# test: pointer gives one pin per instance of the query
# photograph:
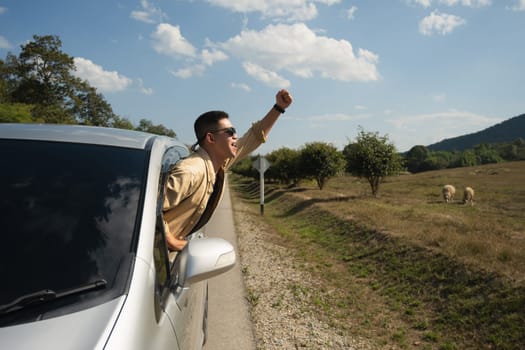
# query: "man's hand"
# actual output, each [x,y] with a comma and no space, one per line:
[283,99]
[175,244]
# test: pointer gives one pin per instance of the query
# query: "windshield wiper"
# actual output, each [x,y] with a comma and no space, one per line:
[46,295]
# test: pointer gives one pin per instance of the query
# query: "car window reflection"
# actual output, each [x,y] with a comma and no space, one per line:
[68,213]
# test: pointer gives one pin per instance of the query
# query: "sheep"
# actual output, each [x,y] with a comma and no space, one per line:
[448,193]
[468,196]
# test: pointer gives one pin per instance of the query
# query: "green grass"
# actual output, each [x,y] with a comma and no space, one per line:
[406,268]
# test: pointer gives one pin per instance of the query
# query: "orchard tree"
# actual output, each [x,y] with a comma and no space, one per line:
[320,161]
[245,168]
[372,157]
[284,166]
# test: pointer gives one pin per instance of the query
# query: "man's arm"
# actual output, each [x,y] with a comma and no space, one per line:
[283,100]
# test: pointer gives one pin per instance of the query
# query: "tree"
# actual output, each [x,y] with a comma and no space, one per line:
[15,113]
[465,158]
[41,79]
[415,158]
[122,123]
[147,126]
[372,157]
[284,166]
[245,168]
[320,161]
[486,154]
[41,75]
[4,90]
[90,107]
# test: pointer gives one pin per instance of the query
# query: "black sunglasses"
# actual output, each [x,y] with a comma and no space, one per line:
[230,131]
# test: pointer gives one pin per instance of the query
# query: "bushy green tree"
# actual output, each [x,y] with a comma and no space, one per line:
[372,157]
[15,113]
[90,107]
[122,123]
[245,168]
[4,90]
[41,74]
[148,126]
[466,158]
[416,157]
[320,161]
[485,154]
[437,160]
[514,150]
[284,166]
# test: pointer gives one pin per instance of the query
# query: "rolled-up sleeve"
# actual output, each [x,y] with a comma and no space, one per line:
[248,143]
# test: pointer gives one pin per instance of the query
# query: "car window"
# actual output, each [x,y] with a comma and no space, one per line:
[68,213]
[162,265]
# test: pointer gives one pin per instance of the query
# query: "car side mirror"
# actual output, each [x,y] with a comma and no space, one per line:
[203,258]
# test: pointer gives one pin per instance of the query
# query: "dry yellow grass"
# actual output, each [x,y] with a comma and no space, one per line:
[439,275]
[489,235]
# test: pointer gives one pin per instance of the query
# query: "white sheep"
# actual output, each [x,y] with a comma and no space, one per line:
[448,193]
[468,196]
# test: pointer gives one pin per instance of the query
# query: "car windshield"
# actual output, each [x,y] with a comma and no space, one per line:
[67,214]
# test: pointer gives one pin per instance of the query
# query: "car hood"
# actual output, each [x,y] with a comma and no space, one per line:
[86,329]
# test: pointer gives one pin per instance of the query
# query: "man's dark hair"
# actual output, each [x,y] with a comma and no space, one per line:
[207,122]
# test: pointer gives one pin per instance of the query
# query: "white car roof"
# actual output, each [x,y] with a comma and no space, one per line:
[77,133]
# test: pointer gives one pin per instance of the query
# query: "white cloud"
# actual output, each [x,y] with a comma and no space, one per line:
[241,86]
[440,23]
[266,76]
[439,97]
[104,81]
[424,3]
[287,10]
[350,13]
[328,2]
[3,10]
[210,57]
[168,40]
[4,43]
[467,3]
[300,51]
[519,6]
[336,117]
[148,13]
[190,71]
[144,90]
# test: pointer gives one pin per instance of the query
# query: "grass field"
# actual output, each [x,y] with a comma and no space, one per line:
[407,269]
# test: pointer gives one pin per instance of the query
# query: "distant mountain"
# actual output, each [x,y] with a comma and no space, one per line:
[506,131]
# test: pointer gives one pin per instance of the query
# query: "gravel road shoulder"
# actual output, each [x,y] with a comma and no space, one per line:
[277,291]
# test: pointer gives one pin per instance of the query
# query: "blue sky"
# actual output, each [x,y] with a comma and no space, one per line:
[418,71]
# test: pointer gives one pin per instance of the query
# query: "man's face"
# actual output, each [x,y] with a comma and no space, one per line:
[225,138]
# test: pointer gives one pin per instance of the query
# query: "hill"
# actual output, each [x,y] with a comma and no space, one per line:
[506,131]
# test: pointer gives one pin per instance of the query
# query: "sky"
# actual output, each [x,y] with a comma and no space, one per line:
[416,71]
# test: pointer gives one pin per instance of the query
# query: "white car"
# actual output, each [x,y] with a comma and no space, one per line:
[83,256]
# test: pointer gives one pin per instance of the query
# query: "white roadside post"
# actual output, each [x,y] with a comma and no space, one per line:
[261,164]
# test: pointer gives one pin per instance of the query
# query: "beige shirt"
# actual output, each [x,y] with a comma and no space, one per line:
[191,181]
